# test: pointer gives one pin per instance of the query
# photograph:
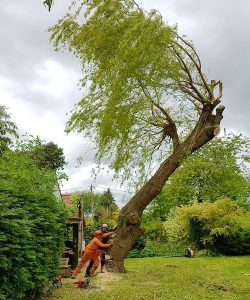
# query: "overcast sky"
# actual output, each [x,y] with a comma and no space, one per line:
[40,86]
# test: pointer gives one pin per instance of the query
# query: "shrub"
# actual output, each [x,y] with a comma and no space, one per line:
[153,241]
[239,243]
[210,226]
[150,248]
[32,226]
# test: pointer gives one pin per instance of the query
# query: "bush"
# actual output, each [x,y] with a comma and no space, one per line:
[150,249]
[153,241]
[214,226]
[239,243]
[32,225]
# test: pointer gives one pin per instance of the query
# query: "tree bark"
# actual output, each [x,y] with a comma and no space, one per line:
[128,229]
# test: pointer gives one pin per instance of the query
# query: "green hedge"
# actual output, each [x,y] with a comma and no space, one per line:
[32,226]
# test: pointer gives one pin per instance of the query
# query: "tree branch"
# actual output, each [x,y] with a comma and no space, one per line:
[199,97]
[169,128]
[136,4]
[197,65]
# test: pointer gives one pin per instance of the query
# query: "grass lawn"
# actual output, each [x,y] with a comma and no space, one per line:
[168,278]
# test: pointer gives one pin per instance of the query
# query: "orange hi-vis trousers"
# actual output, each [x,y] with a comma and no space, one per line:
[85,258]
[91,253]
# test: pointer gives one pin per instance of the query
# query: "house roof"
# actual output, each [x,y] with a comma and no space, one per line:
[67,199]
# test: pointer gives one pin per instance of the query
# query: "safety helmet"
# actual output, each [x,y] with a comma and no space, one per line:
[98,233]
[104,225]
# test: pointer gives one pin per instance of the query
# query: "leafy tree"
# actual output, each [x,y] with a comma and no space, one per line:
[219,169]
[45,155]
[98,206]
[146,100]
[8,129]
[107,201]
[32,224]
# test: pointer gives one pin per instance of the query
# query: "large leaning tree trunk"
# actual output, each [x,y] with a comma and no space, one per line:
[145,97]
[206,128]
[129,224]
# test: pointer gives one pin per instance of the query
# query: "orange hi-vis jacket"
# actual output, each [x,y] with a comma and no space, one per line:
[92,247]
[92,252]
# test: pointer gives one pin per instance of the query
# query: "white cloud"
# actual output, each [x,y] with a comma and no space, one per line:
[53,79]
[11,100]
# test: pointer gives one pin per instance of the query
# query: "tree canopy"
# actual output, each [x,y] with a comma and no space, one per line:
[46,155]
[143,86]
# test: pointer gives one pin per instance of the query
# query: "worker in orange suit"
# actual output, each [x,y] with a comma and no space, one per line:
[105,236]
[92,252]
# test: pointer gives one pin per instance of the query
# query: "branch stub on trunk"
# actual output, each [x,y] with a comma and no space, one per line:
[133,218]
[217,131]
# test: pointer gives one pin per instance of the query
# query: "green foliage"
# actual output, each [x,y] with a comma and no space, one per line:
[45,155]
[32,226]
[100,206]
[19,174]
[154,241]
[238,244]
[131,81]
[218,169]
[7,130]
[203,225]
[107,201]
[148,248]
[154,229]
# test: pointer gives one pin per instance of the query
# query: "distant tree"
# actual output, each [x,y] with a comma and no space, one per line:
[46,156]
[147,103]
[100,207]
[8,130]
[48,3]
[107,201]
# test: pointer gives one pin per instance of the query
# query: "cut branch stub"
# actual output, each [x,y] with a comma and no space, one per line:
[217,130]
[133,218]
[219,110]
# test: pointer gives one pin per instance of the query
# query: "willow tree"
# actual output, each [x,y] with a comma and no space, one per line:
[146,104]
